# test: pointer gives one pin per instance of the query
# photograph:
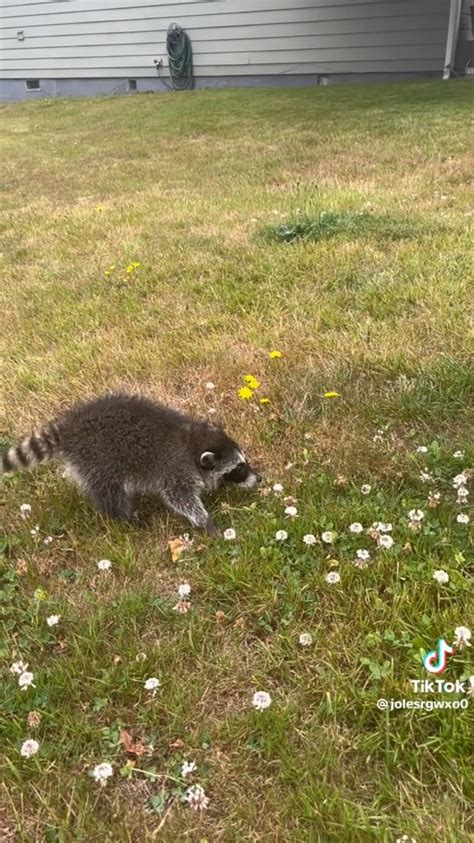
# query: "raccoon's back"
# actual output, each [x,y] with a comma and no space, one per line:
[127,432]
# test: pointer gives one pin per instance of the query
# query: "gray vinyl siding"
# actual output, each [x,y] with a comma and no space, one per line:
[118,38]
[465,48]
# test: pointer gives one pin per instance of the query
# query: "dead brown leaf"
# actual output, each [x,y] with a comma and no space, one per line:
[130,745]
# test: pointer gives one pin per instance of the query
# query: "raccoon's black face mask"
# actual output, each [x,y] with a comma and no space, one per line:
[229,471]
[243,475]
[238,474]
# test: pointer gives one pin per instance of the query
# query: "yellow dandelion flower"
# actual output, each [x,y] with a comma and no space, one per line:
[264,400]
[331,395]
[136,264]
[130,268]
[274,355]
[245,393]
[252,382]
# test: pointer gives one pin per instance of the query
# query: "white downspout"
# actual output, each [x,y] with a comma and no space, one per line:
[452,39]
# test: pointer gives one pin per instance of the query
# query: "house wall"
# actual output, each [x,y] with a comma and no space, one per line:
[465,48]
[96,45]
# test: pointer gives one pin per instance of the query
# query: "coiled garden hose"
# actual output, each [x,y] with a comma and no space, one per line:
[180,58]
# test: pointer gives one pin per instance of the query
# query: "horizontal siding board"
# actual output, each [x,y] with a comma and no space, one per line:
[355,54]
[333,43]
[73,34]
[175,7]
[394,66]
[226,14]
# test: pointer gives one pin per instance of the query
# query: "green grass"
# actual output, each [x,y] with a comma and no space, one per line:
[350,224]
[371,299]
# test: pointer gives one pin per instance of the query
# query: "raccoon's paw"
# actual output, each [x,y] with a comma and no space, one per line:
[212,530]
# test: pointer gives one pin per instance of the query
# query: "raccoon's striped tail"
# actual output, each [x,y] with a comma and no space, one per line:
[38,447]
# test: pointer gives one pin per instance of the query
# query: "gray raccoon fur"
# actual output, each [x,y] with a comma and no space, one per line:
[118,446]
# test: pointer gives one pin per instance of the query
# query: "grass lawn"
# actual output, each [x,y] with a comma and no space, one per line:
[335,226]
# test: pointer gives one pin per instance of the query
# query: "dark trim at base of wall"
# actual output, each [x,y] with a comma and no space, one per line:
[12,90]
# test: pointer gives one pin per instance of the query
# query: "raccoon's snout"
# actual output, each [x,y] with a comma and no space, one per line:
[252,480]
[243,476]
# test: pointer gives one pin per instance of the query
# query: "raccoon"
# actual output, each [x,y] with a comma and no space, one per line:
[118,446]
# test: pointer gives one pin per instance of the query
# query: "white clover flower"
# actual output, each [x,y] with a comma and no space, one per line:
[328,537]
[463,636]
[152,684]
[433,499]
[462,518]
[277,488]
[53,620]
[426,476]
[29,748]
[182,606]
[362,558]
[25,511]
[48,540]
[104,565]
[366,489]
[102,772]
[34,531]
[463,494]
[184,589]
[460,480]
[383,526]
[281,535]
[422,449]
[229,534]
[209,385]
[356,527]
[405,839]
[18,667]
[386,542]
[261,700]
[441,576]
[309,539]
[196,798]
[333,577]
[291,511]
[187,768]
[378,436]
[187,541]
[415,517]
[458,455]
[305,639]
[25,680]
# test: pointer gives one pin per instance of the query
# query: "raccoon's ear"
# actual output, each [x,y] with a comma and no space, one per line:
[207,460]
